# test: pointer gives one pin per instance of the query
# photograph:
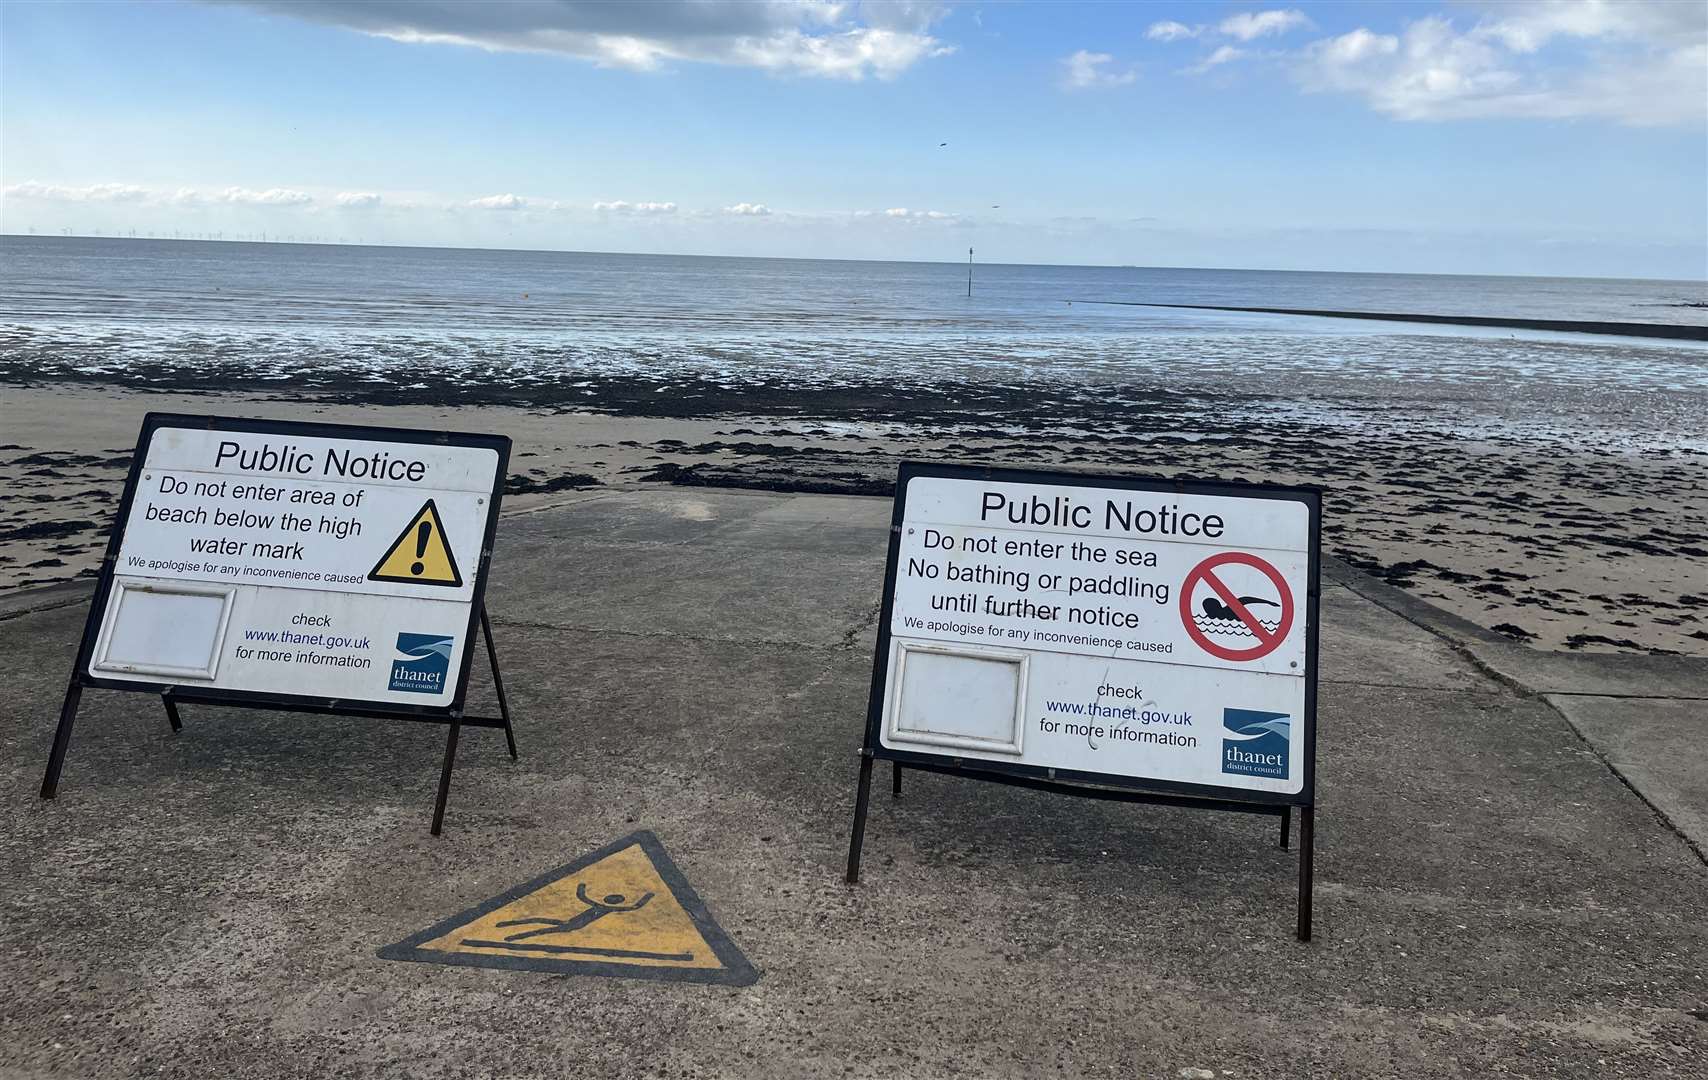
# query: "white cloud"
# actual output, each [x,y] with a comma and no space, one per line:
[1225,54]
[1251,25]
[902,213]
[115,193]
[623,206]
[1169,30]
[506,201]
[1246,26]
[1634,63]
[821,38]
[90,193]
[848,55]
[1353,48]
[303,203]
[1084,70]
[1525,27]
[133,193]
[184,196]
[270,197]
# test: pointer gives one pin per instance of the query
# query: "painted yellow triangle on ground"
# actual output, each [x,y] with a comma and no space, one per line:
[618,908]
[623,910]
[420,555]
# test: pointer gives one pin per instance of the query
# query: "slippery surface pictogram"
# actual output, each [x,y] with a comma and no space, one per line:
[624,910]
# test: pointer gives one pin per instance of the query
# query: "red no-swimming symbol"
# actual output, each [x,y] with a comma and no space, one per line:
[1268,639]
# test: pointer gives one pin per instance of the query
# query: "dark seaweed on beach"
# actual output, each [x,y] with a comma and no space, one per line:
[703,475]
[47,530]
[526,485]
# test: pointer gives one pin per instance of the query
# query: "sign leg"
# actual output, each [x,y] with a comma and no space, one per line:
[61,738]
[172,712]
[1306,846]
[497,681]
[862,797]
[1286,825]
[895,779]
[445,778]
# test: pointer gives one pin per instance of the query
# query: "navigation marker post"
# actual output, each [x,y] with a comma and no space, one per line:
[1109,638]
[253,564]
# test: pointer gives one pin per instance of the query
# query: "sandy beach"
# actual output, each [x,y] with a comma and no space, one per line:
[1560,547]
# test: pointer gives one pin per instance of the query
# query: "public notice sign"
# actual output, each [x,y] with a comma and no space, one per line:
[298,561]
[1142,633]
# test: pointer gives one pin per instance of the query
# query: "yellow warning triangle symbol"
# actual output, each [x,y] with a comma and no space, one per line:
[624,910]
[420,555]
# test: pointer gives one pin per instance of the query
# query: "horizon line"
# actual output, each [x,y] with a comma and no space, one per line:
[801,258]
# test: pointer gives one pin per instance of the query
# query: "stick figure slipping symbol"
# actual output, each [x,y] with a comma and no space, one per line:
[610,904]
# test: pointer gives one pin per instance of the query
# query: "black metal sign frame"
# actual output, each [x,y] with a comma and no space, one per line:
[1092,784]
[173,693]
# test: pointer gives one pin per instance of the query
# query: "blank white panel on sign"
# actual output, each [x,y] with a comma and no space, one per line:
[168,630]
[964,697]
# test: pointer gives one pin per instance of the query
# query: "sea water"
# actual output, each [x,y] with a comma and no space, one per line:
[550,328]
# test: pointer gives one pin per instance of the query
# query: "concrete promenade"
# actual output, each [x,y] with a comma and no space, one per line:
[1510,852]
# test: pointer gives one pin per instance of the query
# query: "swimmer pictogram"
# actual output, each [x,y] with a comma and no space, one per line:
[1234,625]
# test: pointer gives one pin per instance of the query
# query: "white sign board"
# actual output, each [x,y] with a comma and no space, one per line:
[1145,632]
[299,560]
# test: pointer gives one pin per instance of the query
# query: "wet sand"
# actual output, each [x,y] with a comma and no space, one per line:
[1555,545]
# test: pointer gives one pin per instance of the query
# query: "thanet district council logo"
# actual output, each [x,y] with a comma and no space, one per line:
[1255,743]
[422,663]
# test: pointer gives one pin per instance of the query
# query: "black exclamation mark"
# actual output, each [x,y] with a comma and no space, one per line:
[422,532]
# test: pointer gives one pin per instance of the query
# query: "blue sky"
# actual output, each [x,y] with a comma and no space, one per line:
[1531,137]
